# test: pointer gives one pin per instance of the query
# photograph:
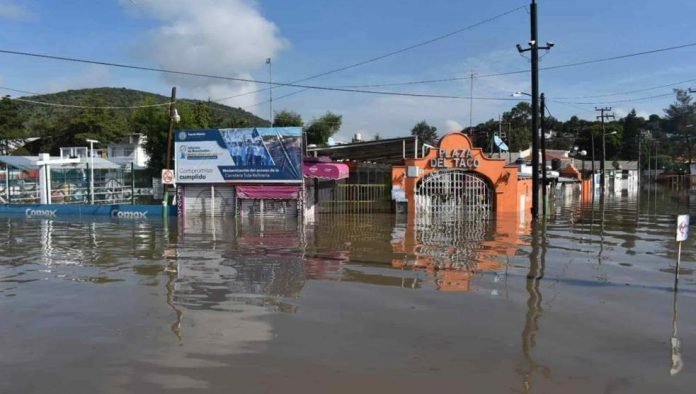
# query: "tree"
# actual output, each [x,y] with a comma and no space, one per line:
[518,121]
[377,137]
[426,133]
[680,119]
[153,122]
[287,119]
[632,125]
[319,131]
[11,130]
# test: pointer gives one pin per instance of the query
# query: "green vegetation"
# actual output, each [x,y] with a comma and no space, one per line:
[64,126]
[425,132]
[287,119]
[674,134]
[319,131]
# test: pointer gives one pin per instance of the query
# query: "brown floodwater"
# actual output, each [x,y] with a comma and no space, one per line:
[583,303]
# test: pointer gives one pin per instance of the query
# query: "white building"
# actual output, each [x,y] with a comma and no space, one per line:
[130,150]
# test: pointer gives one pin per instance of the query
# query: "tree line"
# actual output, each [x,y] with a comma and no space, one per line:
[673,133]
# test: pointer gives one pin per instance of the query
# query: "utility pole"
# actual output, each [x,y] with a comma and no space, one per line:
[471,100]
[603,115]
[168,163]
[270,90]
[534,49]
[543,155]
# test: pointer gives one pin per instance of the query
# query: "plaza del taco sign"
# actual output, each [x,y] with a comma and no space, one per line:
[461,158]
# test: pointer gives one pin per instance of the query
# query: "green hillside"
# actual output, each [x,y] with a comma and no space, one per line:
[57,126]
[35,115]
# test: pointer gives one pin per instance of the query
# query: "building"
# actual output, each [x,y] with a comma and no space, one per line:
[457,182]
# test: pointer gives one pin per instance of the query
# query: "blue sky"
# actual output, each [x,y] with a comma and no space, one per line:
[233,38]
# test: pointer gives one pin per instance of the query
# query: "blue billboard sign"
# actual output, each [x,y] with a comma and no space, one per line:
[249,155]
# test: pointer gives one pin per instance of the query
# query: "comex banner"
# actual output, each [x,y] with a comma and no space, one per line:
[252,155]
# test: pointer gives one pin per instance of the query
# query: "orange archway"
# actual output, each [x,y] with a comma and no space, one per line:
[455,154]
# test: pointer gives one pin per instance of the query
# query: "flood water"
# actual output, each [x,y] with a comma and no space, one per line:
[582,304]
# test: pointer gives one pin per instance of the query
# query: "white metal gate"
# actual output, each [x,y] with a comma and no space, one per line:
[454,195]
[209,200]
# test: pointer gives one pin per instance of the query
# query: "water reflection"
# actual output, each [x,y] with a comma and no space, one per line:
[453,253]
[202,293]
[535,310]
[677,362]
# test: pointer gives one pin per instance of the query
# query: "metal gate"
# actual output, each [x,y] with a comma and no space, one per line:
[454,195]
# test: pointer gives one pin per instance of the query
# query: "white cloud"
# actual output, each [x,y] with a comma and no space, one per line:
[453,125]
[14,12]
[216,37]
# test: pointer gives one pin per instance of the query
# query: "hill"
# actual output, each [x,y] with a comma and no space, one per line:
[33,115]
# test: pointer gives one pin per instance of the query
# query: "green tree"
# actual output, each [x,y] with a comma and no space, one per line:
[426,133]
[519,125]
[319,131]
[632,126]
[11,130]
[287,119]
[680,118]
[153,122]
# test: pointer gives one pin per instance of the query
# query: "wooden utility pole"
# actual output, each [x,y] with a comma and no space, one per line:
[604,114]
[534,49]
[168,162]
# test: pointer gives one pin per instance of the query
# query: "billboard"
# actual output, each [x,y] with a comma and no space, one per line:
[250,155]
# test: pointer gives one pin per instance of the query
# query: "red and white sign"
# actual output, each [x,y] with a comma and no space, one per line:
[167,177]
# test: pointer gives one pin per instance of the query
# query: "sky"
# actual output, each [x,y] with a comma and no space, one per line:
[233,38]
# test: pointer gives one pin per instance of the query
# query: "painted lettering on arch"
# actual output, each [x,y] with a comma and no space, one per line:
[461,158]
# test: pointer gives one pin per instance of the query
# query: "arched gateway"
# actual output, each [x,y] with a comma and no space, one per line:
[457,182]
[454,193]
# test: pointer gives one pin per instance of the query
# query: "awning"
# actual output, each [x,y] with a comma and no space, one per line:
[286,192]
[321,170]
[29,162]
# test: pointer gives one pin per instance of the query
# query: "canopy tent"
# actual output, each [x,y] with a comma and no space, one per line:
[334,171]
[29,163]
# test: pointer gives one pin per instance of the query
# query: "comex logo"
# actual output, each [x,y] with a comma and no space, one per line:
[128,214]
[40,212]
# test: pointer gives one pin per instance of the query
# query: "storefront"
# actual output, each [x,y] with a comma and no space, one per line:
[253,171]
[458,182]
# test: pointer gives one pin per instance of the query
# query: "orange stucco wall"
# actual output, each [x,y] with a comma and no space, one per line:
[506,187]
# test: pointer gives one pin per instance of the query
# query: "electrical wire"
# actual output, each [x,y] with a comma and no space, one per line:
[500,74]
[86,106]
[72,105]
[628,91]
[388,54]
[236,79]
[616,101]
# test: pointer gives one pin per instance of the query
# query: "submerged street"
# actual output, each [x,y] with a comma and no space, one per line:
[584,303]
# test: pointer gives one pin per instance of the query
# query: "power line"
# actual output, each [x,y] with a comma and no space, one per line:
[616,101]
[500,74]
[87,106]
[236,79]
[628,91]
[389,54]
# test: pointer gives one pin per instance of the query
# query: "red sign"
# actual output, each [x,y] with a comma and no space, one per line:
[167,177]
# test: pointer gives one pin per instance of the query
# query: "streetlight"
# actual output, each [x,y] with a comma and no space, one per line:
[91,169]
